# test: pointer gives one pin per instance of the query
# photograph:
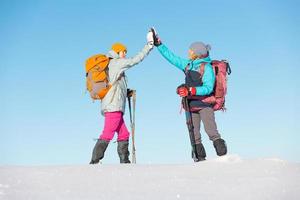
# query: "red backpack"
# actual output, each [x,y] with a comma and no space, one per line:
[221,70]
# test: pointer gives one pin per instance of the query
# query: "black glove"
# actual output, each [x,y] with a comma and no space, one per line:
[129,93]
[156,39]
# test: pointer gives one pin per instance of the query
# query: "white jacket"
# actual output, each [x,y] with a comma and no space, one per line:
[115,99]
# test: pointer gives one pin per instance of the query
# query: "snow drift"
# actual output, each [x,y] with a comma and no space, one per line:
[227,177]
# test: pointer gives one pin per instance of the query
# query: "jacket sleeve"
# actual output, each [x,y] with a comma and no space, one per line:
[208,80]
[178,62]
[127,63]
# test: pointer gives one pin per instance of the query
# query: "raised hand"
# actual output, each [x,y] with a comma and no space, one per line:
[156,38]
[150,39]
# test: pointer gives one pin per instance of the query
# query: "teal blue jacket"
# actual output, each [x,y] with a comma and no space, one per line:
[208,77]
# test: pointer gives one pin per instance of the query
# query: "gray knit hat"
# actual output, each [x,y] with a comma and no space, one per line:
[199,48]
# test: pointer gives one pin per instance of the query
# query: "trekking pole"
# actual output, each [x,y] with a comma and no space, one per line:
[133,128]
[190,128]
[132,122]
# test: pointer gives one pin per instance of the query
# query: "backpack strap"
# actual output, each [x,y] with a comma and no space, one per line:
[202,67]
[187,68]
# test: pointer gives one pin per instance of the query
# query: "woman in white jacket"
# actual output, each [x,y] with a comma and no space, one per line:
[113,104]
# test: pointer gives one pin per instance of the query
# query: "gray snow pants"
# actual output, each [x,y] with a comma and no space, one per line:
[207,116]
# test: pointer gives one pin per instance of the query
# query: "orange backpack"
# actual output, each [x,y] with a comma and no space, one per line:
[97,82]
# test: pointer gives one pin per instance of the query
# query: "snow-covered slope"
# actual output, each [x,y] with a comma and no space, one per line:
[227,177]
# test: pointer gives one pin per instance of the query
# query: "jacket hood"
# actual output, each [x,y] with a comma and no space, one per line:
[112,54]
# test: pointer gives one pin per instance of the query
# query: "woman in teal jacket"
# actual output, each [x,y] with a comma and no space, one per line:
[196,85]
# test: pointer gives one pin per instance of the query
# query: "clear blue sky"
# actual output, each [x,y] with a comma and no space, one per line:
[46,117]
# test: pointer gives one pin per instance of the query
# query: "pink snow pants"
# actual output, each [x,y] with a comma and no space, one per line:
[114,122]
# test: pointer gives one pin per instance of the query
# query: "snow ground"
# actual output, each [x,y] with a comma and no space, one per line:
[227,177]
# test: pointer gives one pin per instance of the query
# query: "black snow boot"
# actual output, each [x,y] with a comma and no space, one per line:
[123,151]
[201,154]
[98,152]
[220,147]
